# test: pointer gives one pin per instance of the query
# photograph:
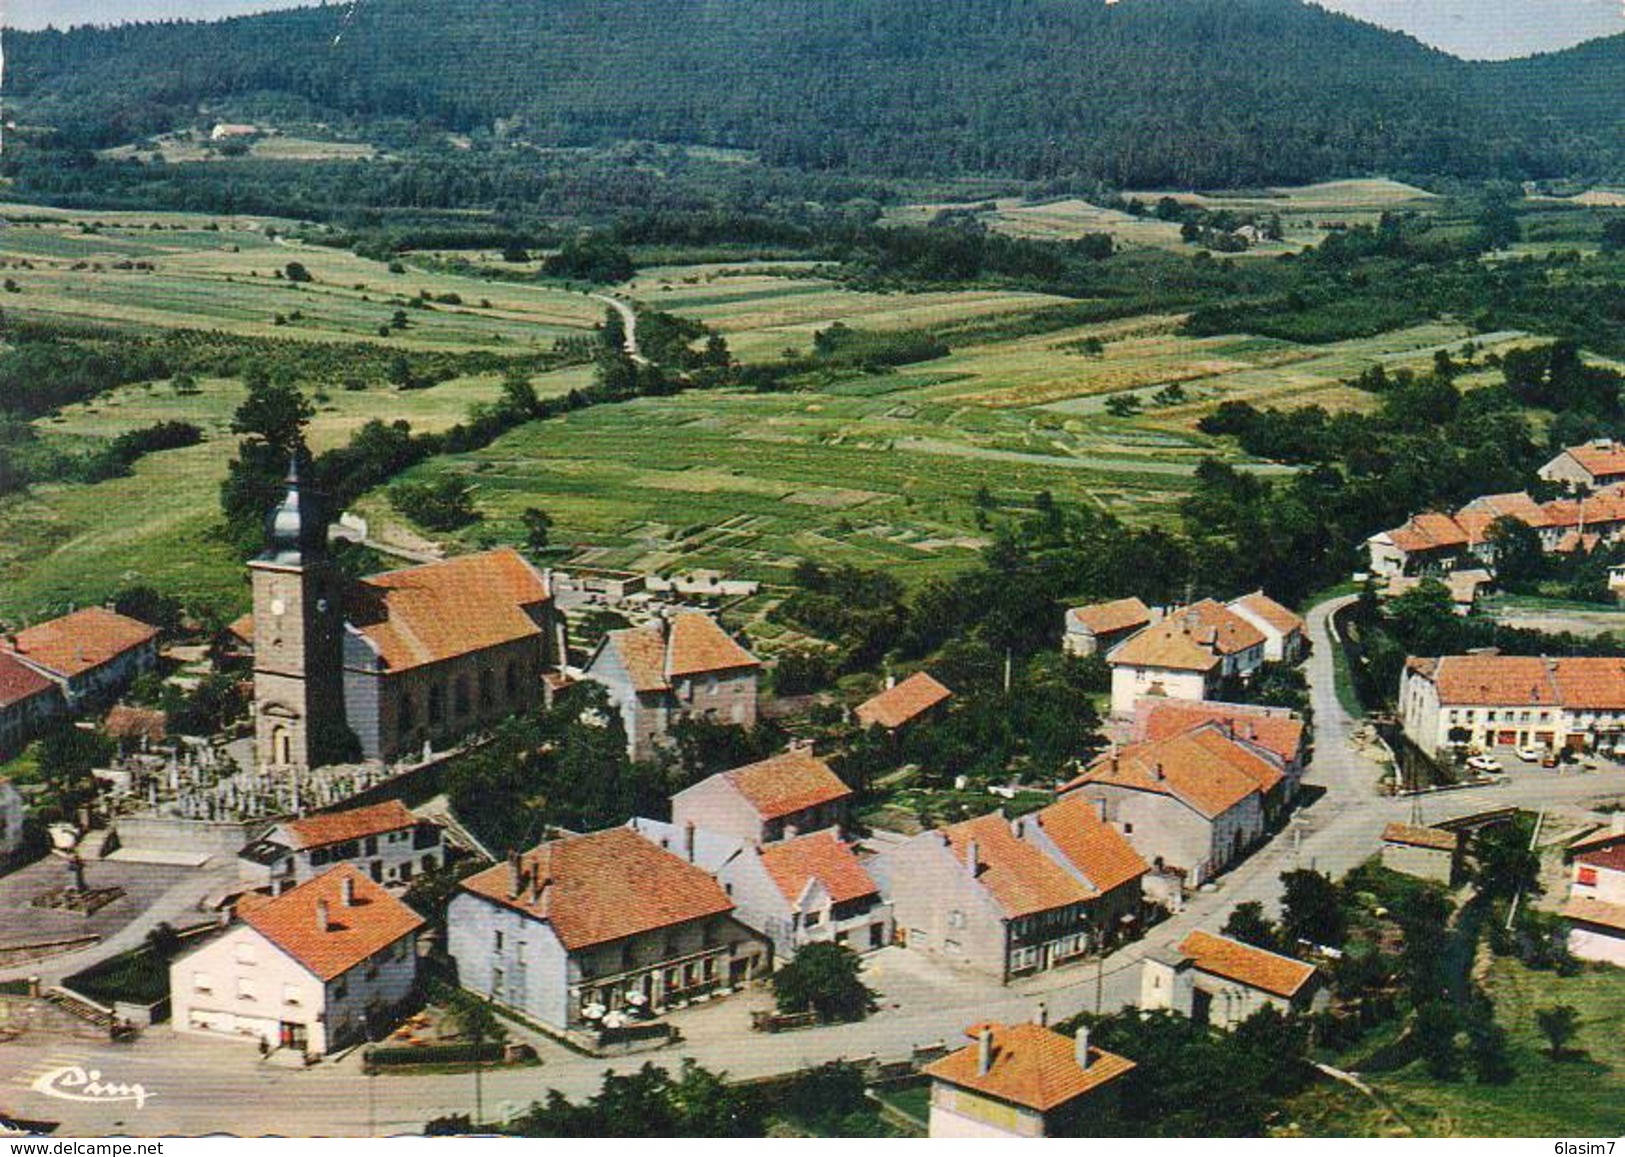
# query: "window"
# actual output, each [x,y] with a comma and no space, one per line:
[437,704]
[245,988]
[496,940]
[814,919]
[341,990]
[626,956]
[1587,876]
[460,695]
[510,680]
[202,982]
[408,712]
[488,690]
[290,994]
[245,952]
[877,935]
[372,845]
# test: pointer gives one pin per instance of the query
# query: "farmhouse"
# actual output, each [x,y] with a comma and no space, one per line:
[91,655]
[384,840]
[1595,908]
[799,891]
[1098,627]
[311,970]
[1021,1080]
[1190,804]
[778,798]
[400,660]
[1285,639]
[1591,465]
[603,921]
[1218,981]
[901,704]
[1513,700]
[1014,896]
[681,667]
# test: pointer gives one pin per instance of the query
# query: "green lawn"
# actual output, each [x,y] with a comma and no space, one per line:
[137,976]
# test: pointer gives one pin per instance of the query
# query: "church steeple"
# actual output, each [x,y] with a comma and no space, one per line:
[296,528]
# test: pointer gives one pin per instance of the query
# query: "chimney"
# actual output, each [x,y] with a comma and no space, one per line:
[688,841]
[324,922]
[516,876]
[1081,1049]
[984,1051]
[1100,807]
[1156,771]
[973,858]
[347,892]
[1042,1017]
[542,892]
[891,680]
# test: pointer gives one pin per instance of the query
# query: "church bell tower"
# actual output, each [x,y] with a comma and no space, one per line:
[298,636]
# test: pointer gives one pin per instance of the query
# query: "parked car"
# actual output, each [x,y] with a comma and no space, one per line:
[1484,763]
[1549,759]
[1531,754]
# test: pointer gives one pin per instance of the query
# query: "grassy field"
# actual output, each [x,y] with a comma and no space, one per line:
[1579,1096]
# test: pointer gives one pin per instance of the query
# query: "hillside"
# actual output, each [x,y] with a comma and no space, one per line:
[1154,92]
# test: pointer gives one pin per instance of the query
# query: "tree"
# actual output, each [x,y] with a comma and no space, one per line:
[538,525]
[824,978]
[1311,909]
[1434,1032]
[149,606]
[1506,863]
[444,504]
[1249,925]
[275,413]
[1558,1024]
[295,271]
[1519,559]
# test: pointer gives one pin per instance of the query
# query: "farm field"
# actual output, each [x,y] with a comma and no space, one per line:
[127,272]
[185,148]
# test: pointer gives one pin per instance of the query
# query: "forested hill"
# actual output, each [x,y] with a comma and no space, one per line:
[1142,92]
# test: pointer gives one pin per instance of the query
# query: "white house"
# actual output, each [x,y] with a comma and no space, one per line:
[1191,654]
[1595,908]
[384,839]
[1490,701]
[777,798]
[92,655]
[1594,464]
[1285,638]
[312,970]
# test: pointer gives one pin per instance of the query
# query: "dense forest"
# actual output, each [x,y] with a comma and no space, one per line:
[1159,92]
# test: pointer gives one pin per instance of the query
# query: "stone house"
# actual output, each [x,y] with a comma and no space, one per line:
[777,798]
[1218,981]
[1274,734]
[385,840]
[1191,804]
[607,920]
[1591,465]
[1021,1080]
[91,655]
[794,892]
[1426,853]
[312,970]
[1097,628]
[1010,897]
[1192,654]
[681,667]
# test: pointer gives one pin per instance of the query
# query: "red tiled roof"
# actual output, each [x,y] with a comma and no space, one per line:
[1476,518]
[1031,1066]
[1589,684]
[1209,777]
[787,783]
[1110,618]
[1254,967]
[1419,837]
[1611,857]
[1272,612]
[821,856]
[426,614]
[1276,731]
[19,681]
[1588,911]
[1093,846]
[355,932]
[689,643]
[331,827]
[1019,877]
[603,886]
[242,627]
[79,642]
[1493,680]
[1597,460]
[906,701]
[1167,644]
[1428,531]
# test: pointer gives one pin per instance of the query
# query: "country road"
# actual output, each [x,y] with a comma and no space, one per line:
[629,321]
[198,1085]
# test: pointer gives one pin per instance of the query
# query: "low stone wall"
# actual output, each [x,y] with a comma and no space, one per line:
[33,1014]
[146,831]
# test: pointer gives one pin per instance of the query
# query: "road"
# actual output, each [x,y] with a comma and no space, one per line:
[198,1085]
[629,322]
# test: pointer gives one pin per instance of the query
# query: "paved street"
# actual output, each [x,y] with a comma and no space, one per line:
[197,1085]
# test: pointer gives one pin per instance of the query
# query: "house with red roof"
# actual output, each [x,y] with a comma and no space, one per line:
[28,701]
[777,798]
[1189,654]
[312,970]
[586,925]
[385,840]
[91,655]
[684,666]
[1285,638]
[1011,897]
[1221,982]
[1486,701]
[1098,627]
[1191,804]
[902,704]
[797,891]
[1595,909]
[1591,465]
[1022,1080]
